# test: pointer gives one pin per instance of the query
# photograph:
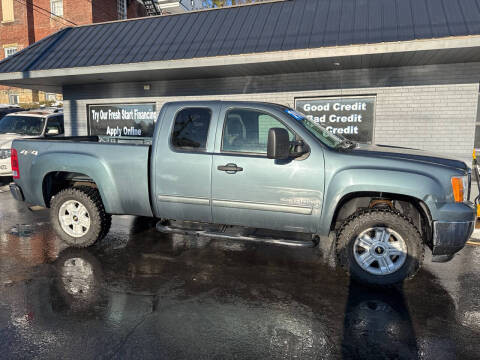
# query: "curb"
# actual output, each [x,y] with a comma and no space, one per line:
[476,235]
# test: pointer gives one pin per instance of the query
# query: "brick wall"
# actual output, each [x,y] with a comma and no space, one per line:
[135,9]
[76,11]
[16,32]
[427,107]
[105,10]
[32,23]
[81,12]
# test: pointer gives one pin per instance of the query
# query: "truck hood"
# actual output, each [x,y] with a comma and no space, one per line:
[400,153]
[7,139]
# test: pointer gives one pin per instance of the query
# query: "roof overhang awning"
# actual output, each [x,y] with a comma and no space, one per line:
[393,54]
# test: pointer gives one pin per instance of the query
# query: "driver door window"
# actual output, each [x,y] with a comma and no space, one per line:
[246,131]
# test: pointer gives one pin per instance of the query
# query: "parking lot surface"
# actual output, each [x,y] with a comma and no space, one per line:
[142,294]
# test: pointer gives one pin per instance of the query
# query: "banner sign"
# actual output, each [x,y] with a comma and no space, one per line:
[113,122]
[352,117]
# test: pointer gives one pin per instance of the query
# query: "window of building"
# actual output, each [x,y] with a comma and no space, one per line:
[190,130]
[9,51]
[50,97]
[122,9]
[7,11]
[14,99]
[247,131]
[56,7]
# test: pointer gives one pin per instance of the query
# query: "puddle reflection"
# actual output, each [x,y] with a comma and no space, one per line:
[188,297]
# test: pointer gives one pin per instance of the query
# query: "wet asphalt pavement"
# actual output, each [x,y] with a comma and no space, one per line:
[139,294]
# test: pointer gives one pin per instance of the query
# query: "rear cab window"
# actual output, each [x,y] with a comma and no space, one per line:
[191,128]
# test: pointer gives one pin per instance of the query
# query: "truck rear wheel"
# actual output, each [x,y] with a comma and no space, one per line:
[380,247]
[78,216]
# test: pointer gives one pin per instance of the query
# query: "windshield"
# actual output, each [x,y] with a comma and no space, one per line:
[22,125]
[322,134]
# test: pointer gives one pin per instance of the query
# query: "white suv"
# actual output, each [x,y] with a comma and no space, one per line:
[33,123]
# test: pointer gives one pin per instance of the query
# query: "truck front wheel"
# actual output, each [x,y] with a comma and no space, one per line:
[380,247]
[78,216]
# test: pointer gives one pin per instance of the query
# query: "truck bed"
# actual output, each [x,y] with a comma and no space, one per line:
[119,170]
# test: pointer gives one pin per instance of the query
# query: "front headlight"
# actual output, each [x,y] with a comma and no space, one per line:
[5,154]
[460,188]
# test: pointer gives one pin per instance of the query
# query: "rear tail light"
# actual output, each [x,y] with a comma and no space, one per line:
[15,167]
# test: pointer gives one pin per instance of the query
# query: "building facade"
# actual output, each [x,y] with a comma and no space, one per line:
[432,108]
[390,72]
[23,22]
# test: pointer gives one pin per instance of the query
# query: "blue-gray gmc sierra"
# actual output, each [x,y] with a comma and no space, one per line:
[257,165]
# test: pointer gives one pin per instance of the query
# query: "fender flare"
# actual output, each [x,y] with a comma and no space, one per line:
[85,164]
[403,183]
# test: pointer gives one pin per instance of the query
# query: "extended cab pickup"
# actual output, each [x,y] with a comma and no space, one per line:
[257,165]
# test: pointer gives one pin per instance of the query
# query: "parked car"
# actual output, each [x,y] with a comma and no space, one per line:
[24,124]
[8,109]
[258,165]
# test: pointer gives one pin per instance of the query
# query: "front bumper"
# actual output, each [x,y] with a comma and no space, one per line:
[450,237]
[16,192]
[5,167]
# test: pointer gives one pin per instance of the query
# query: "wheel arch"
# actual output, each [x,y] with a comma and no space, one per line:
[55,181]
[416,209]
[45,166]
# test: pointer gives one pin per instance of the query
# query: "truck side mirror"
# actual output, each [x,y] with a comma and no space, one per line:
[278,146]
[52,131]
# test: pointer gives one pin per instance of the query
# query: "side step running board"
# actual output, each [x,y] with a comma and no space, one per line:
[220,235]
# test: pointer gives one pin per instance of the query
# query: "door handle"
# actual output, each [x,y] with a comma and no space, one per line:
[230,168]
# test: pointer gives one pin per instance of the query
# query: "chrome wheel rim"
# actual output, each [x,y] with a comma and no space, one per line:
[380,251]
[74,218]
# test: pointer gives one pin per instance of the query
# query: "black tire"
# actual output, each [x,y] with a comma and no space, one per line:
[100,221]
[372,218]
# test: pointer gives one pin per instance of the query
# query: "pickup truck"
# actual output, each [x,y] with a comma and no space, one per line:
[257,165]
